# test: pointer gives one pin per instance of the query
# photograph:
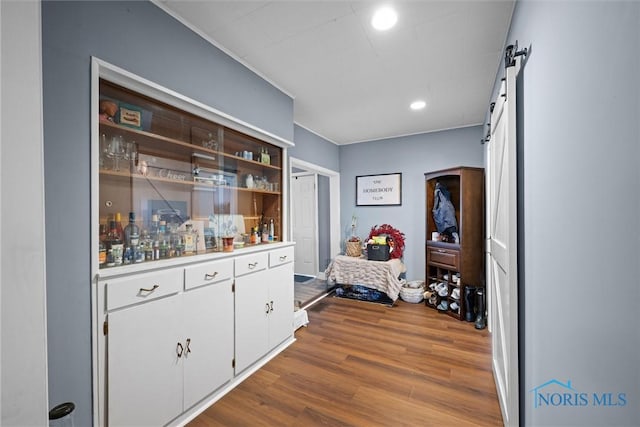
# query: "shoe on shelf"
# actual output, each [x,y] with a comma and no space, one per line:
[454,306]
[443,306]
[443,292]
[455,294]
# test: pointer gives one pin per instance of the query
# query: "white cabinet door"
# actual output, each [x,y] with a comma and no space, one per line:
[251,314]
[281,300]
[208,340]
[145,372]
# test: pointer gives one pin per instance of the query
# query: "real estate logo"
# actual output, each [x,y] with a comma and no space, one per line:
[554,393]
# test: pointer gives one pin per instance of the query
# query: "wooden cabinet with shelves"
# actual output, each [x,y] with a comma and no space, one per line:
[168,164]
[458,262]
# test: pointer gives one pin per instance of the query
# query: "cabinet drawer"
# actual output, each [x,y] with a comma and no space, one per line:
[209,272]
[281,256]
[251,263]
[447,258]
[142,287]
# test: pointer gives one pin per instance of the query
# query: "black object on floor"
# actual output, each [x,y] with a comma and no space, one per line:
[299,278]
[362,293]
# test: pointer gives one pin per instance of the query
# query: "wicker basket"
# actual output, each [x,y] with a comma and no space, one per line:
[354,249]
[413,291]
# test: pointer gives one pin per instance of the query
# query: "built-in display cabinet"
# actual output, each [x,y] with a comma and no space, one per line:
[192,273]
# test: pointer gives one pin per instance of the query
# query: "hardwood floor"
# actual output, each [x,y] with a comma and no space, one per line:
[363,364]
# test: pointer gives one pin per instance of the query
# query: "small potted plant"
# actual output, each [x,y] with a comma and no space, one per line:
[229,231]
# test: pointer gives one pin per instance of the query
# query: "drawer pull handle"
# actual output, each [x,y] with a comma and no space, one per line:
[149,290]
[208,276]
[283,257]
[179,350]
[187,349]
[442,251]
[253,265]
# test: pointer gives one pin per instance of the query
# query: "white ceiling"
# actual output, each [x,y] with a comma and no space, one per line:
[351,83]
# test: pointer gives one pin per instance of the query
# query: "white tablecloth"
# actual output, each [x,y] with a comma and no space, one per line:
[380,275]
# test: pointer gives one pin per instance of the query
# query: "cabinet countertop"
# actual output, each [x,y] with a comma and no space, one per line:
[186,260]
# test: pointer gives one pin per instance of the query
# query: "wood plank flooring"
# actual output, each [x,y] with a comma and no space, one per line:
[364,364]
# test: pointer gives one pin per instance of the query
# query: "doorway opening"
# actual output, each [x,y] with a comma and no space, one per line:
[315,227]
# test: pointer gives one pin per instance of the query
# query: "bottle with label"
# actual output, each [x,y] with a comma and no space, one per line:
[271,230]
[190,240]
[114,243]
[253,239]
[102,254]
[132,232]
[119,229]
[154,226]
[265,233]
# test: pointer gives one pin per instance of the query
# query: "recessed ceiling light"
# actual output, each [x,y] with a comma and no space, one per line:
[417,105]
[384,18]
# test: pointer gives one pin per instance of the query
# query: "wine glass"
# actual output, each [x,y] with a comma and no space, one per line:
[116,151]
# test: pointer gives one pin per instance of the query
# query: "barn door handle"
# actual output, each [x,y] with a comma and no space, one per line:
[271,306]
[187,349]
[266,307]
[179,350]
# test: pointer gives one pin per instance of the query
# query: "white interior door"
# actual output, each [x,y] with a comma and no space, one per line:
[304,217]
[502,246]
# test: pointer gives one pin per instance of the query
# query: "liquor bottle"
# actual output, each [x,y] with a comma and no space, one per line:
[132,232]
[118,220]
[155,224]
[271,230]
[252,238]
[114,243]
[102,254]
[190,240]
[265,233]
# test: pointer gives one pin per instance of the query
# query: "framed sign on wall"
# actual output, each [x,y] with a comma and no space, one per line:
[379,190]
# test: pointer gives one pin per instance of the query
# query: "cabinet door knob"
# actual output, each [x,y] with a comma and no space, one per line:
[149,290]
[266,308]
[187,348]
[208,276]
[179,350]
[271,306]
[253,265]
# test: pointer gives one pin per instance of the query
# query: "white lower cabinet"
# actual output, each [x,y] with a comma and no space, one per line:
[167,354]
[263,310]
[170,336]
[144,374]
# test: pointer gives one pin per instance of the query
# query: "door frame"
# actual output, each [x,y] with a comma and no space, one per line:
[334,201]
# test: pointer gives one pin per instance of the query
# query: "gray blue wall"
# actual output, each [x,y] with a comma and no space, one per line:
[315,149]
[140,38]
[580,141]
[413,156]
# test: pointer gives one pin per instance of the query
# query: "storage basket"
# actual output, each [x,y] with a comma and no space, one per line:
[412,291]
[354,249]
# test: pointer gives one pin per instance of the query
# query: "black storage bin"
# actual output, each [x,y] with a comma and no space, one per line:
[377,252]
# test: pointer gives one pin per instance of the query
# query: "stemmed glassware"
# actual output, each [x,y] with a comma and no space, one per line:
[116,150]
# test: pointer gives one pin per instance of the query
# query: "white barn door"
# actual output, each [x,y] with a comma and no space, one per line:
[502,269]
